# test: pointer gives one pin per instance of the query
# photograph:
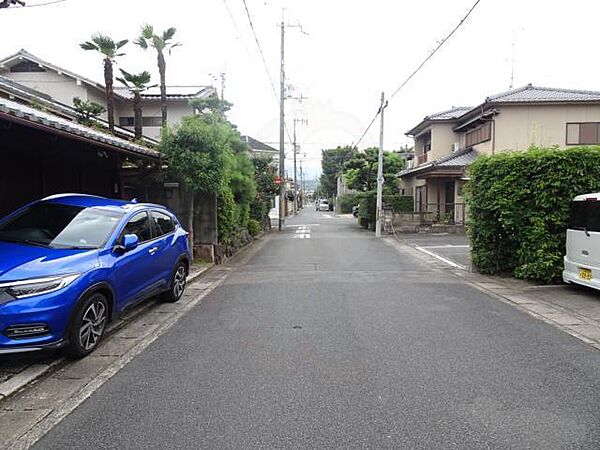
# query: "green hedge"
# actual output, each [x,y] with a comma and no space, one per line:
[347,201]
[399,203]
[519,207]
[366,210]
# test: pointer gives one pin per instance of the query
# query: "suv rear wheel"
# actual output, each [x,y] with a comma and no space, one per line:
[178,283]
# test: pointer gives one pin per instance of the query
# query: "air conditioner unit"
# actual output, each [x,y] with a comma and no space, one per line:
[455,147]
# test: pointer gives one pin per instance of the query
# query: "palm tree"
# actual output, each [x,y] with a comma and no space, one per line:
[109,50]
[136,83]
[160,43]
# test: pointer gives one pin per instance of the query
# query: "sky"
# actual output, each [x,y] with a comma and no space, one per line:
[347,53]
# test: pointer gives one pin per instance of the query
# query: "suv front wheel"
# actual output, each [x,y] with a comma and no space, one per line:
[88,326]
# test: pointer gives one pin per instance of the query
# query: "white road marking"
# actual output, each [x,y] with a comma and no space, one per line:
[441,258]
[302,232]
[327,216]
[445,246]
[304,225]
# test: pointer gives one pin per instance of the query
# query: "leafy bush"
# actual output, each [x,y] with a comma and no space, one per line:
[253,227]
[519,208]
[366,211]
[398,203]
[347,201]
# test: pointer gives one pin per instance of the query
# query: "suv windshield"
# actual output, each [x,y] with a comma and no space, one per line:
[60,226]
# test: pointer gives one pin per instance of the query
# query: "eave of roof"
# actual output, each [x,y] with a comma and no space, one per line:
[24,93]
[18,112]
[447,116]
[24,54]
[457,159]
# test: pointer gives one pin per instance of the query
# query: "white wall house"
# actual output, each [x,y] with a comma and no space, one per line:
[447,142]
[62,85]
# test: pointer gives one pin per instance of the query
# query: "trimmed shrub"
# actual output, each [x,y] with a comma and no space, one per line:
[254,227]
[347,201]
[366,211]
[399,203]
[519,208]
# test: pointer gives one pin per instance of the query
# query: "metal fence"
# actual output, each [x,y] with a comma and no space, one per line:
[447,213]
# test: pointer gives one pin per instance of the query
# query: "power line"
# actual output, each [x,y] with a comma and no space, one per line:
[264,61]
[419,67]
[44,4]
[442,42]
[237,28]
[262,55]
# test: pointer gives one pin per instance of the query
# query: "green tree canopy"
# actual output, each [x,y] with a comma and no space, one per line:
[361,171]
[332,165]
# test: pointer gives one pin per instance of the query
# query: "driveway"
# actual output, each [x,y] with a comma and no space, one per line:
[452,247]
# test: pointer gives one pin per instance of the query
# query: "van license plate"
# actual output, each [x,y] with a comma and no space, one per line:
[585,274]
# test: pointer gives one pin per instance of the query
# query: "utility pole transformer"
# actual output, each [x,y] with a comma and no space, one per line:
[379,208]
[282,199]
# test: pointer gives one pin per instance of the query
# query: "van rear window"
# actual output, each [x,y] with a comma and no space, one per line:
[585,216]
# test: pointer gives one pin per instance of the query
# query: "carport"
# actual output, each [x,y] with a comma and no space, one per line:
[43,154]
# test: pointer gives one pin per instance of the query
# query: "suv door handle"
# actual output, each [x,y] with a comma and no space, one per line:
[153,250]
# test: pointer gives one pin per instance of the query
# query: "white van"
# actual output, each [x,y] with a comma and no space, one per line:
[582,261]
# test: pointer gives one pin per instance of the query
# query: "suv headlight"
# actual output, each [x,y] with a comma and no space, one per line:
[37,286]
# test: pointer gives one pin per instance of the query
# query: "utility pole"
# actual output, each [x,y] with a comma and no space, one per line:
[295,145]
[379,210]
[282,200]
[282,98]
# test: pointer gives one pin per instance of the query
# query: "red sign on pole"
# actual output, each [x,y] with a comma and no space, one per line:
[277,180]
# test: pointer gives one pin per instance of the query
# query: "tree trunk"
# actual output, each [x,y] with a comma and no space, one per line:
[137,114]
[190,220]
[162,69]
[110,100]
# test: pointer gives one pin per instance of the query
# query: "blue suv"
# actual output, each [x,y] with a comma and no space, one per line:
[70,263]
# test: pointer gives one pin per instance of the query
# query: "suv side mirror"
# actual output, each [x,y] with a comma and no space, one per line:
[129,242]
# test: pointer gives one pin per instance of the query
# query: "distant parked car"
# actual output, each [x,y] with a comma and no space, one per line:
[70,263]
[323,205]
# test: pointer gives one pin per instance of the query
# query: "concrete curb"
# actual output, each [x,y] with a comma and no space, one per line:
[35,371]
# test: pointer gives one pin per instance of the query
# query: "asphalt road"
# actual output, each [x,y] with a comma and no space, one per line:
[338,340]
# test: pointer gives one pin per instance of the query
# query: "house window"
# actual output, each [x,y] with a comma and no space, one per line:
[479,135]
[126,121]
[587,133]
[151,121]
[27,66]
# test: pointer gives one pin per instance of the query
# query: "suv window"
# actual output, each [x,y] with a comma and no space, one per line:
[163,223]
[60,226]
[585,215]
[139,225]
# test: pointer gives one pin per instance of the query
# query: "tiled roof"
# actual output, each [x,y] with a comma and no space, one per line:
[536,94]
[256,145]
[49,120]
[30,96]
[173,92]
[453,113]
[458,159]
[450,114]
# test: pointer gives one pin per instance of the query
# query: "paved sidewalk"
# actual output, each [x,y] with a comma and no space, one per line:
[17,371]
